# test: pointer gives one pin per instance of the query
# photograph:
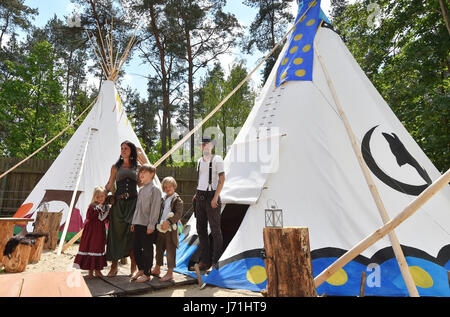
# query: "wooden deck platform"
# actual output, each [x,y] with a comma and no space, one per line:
[76,284]
[121,285]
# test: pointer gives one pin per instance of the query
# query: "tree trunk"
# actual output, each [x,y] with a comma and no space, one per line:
[191,91]
[165,92]
[48,222]
[169,135]
[445,15]
[288,262]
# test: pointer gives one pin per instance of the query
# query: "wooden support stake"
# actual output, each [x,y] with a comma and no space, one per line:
[288,262]
[199,276]
[403,265]
[385,229]
[72,241]
[448,275]
[363,284]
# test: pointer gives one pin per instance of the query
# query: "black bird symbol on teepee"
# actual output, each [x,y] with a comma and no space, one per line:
[403,157]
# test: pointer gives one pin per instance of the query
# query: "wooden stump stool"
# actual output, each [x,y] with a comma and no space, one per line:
[7,231]
[288,262]
[49,223]
[18,261]
[36,250]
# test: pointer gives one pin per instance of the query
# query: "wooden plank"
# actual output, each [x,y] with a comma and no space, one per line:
[11,285]
[17,221]
[127,286]
[55,284]
[98,287]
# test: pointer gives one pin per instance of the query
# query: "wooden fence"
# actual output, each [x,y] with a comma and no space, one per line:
[17,185]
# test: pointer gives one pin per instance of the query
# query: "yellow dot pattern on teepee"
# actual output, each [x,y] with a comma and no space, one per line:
[310,22]
[300,72]
[421,277]
[339,278]
[256,274]
[297,62]
[298,37]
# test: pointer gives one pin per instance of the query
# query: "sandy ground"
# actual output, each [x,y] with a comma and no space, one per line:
[50,262]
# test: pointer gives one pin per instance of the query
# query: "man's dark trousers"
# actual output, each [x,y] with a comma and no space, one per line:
[204,213]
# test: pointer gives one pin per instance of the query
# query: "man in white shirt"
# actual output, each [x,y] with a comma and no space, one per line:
[211,178]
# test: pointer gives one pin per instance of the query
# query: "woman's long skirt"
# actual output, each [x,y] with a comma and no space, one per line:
[120,237]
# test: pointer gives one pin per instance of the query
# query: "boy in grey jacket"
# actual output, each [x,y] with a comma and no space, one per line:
[144,223]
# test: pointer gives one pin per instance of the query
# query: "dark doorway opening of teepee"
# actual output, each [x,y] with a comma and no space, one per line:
[230,221]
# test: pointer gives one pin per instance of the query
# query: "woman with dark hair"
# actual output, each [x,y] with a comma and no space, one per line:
[124,176]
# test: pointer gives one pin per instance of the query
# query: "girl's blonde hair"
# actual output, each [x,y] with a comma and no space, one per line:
[169,181]
[97,191]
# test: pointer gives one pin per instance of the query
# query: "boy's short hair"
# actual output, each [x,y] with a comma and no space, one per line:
[147,167]
[169,181]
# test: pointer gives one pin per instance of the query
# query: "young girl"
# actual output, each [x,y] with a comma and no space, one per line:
[167,238]
[91,253]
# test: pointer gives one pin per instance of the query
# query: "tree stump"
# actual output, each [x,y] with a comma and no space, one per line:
[48,222]
[6,232]
[18,261]
[36,250]
[288,262]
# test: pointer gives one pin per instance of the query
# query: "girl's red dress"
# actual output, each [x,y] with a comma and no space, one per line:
[91,253]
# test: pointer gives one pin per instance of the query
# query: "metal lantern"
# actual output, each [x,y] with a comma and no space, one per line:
[273,216]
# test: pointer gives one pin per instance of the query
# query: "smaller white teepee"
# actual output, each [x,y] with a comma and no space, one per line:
[105,128]
[86,160]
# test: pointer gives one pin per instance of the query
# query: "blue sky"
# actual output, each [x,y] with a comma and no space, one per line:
[48,8]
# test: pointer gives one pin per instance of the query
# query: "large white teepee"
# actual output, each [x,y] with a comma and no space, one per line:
[105,128]
[314,177]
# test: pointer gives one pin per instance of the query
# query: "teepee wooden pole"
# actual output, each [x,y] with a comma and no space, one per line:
[72,202]
[100,59]
[111,43]
[410,284]
[46,144]
[103,47]
[407,212]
